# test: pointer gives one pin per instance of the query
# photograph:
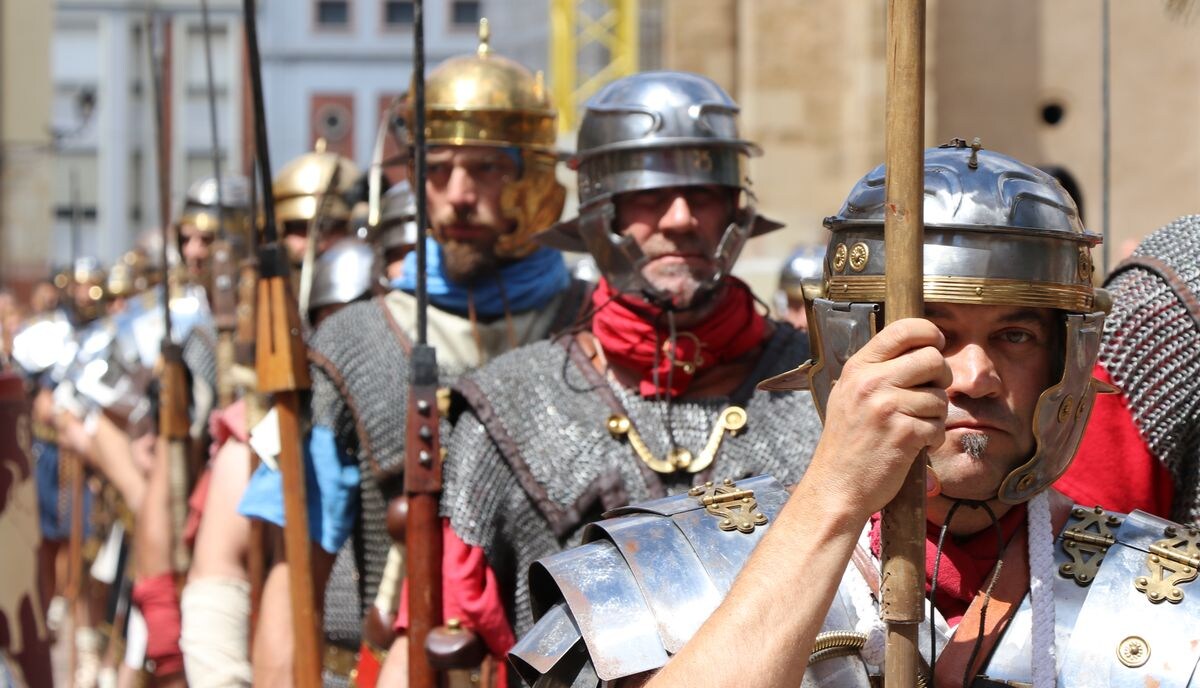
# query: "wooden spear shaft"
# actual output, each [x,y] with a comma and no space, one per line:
[422,460]
[282,367]
[903,584]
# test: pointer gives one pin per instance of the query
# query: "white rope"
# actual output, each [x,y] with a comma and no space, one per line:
[869,623]
[1041,591]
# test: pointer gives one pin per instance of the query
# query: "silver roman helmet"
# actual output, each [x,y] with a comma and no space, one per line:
[651,131]
[997,232]
[345,272]
[800,277]
[398,218]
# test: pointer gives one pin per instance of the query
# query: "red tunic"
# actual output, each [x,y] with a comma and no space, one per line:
[1114,467]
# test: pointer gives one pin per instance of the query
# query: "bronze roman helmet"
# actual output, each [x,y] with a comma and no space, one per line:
[486,99]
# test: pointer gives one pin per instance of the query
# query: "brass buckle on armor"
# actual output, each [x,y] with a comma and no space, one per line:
[736,509]
[1172,560]
[1087,541]
[340,661]
[732,420]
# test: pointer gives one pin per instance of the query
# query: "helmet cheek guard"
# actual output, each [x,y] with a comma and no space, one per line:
[1062,412]
[533,202]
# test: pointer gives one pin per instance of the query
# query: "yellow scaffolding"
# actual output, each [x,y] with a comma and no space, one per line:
[576,24]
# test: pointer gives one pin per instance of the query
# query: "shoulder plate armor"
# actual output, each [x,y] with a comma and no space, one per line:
[1127,612]
[1127,607]
[644,582]
[572,467]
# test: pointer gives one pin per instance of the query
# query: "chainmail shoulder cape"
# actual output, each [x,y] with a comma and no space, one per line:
[1151,349]
[360,373]
[200,359]
[531,461]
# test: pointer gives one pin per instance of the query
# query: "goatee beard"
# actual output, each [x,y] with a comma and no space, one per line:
[974,444]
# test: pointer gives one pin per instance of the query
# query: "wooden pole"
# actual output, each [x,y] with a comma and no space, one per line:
[282,367]
[903,583]
[173,420]
[74,588]
[422,460]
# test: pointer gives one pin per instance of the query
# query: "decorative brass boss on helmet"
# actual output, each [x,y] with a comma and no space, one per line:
[486,99]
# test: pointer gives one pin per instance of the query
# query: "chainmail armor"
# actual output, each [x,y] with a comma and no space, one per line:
[356,355]
[360,377]
[200,354]
[1151,349]
[531,461]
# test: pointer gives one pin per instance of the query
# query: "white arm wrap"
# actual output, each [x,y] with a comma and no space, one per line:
[214,640]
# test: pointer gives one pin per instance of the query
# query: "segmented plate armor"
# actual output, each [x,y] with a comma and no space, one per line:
[637,592]
[1151,349]
[360,377]
[532,461]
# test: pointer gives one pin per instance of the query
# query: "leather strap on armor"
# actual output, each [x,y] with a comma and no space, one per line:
[1011,588]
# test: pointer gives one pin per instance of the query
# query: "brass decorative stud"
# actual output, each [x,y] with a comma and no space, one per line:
[1065,409]
[1084,266]
[618,425]
[859,253]
[1133,652]
[840,254]
[679,457]
[485,37]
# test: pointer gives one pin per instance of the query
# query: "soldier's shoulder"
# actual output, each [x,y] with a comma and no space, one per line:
[355,325]
[1129,580]
[639,586]
[518,367]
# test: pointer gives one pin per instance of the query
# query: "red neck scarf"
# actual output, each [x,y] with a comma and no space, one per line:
[636,337]
[966,563]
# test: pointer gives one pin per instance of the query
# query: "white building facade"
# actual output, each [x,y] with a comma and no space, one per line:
[105,177]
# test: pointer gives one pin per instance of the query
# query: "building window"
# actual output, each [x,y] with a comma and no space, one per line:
[465,12]
[398,12]
[333,13]
[331,117]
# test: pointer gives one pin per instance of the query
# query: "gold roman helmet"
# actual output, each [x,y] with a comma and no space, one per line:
[485,99]
[302,183]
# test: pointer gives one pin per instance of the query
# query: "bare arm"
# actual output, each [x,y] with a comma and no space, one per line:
[889,404]
[273,638]
[114,457]
[224,534]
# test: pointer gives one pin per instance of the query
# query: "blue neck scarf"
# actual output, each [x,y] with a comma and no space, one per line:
[527,284]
